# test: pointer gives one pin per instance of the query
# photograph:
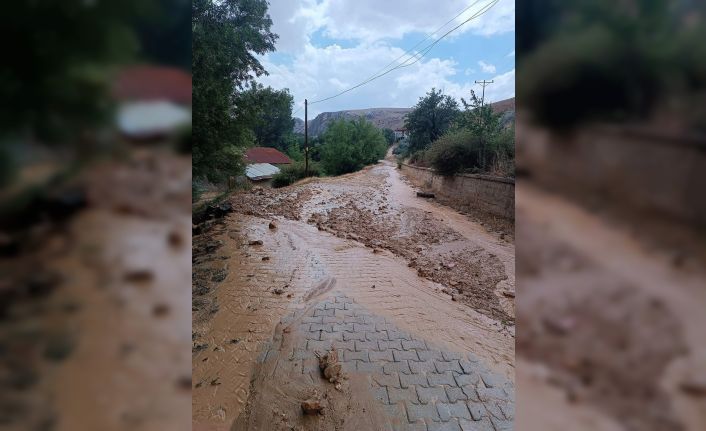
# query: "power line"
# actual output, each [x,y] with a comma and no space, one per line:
[414,56]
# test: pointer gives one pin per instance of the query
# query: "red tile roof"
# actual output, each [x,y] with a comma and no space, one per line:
[266,155]
[151,83]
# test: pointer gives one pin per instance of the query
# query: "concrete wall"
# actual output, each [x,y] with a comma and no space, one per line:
[465,192]
[643,168]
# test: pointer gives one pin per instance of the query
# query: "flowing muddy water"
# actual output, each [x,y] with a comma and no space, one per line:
[426,268]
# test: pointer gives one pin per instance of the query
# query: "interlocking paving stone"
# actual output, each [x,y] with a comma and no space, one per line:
[401,367]
[452,410]
[482,425]
[407,380]
[443,366]
[452,425]
[466,379]
[477,410]
[389,380]
[431,394]
[414,344]
[436,379]
[401,355]
[380,394]
[366,345]
[455,394]
[419,386]
[422,367]
[383,355]
[394,344]
[349,355]
[398,395]
[416,412]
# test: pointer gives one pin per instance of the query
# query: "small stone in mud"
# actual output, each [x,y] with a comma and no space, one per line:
[313,406]
[235,341]
[289,295]
[255,242]
[215,382]
[377,251]
[454,298]
[453,283]
[219,349]
[278,291]
[508,294]
[265,258]
[372,287]
[160,310]
[273,225]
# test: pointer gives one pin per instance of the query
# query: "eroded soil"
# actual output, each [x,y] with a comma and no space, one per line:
[428,269]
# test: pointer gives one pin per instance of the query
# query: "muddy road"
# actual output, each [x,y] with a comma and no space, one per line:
[418,284]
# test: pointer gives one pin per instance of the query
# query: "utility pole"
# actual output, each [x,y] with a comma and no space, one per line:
[484,83]
[306,138]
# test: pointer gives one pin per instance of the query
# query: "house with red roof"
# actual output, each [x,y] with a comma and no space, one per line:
[266,155]
[263,163]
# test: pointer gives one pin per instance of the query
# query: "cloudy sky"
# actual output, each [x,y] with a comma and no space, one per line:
[326,46]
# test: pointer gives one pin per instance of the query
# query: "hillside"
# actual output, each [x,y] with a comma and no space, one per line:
[390,118]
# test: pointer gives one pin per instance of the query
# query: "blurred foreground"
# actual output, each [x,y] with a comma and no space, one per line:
[95,213]
[611,247]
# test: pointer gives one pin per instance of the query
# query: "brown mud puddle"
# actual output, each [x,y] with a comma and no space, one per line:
[368,252]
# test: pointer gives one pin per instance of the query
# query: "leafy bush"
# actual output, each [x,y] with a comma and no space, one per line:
[351,145]
[293,173]
[455,152]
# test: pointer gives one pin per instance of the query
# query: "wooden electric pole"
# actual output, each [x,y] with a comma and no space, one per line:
[484,83]
[306,138]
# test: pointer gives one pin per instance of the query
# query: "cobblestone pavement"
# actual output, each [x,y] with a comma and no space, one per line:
[418,386]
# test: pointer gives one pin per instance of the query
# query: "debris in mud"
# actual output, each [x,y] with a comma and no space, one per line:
[215,382]
[331,368]
[265,258]
[508,294]
[235,341]
[425,195]
[255,242]
[314,405]
[199,347]
[372,287]
[272,225]
[278,291]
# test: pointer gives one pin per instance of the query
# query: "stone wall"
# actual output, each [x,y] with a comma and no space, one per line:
[640,167]
[466,192]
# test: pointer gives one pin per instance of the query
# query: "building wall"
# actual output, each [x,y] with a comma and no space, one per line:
[492,195]
[642,168]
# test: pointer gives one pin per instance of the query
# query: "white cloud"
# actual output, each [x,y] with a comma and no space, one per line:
[512,54]
[370,20]
[316,72]
[486,67]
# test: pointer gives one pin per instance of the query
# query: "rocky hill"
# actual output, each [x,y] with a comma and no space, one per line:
[390,118]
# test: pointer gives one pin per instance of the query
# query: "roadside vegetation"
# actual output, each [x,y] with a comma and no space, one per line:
[453,140]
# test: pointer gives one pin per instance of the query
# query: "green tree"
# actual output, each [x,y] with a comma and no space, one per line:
[389,135]
[430,118]
[350,145]
[268,112]
[226,36]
